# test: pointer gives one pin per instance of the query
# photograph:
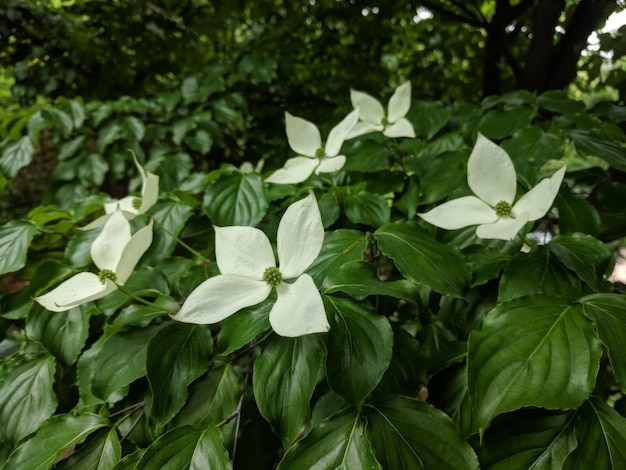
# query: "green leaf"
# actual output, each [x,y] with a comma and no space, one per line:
[52,439]
[185,447]
[500,124]
[367,208]
[559,102]
[210,453]
[93,169]
[359,346]
[601,435]
[62,333]
[236,199]
[485,263]
[59,118]
[406,372]
[367,155]
[576,214]
[68,149]
[16,155]
[529,439]
[121,360]
[177,355]
[102,452]
[15,238]
[411,434]
[170,218]
[241,328]
[78,249]
[443,176]
[531,351]
[607,312]
[588,257]
[358,279]
[200,141]
[134,127]
[429,117]
[285,375]
[36,123]
[448,391]
[340,247]
[595,144]
[212,398]
[422,259]
[78,113]
[26,395]
[337,443]
[537,272]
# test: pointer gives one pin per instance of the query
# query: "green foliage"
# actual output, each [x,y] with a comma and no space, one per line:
[445,350]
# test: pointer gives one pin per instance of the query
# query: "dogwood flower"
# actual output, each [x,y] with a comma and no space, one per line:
[372,116]
[131,206]
[492,178]
[115,252]
[304,139]
[249,273]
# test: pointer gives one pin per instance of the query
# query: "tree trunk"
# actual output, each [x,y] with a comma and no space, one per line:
[541,50]
[564,65]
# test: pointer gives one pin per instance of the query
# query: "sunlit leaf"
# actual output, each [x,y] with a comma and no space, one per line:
[15,238]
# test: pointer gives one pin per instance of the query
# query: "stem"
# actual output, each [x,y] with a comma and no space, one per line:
[142,300]
[182,243]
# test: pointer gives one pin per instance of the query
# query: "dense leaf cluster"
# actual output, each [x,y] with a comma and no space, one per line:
[444,350]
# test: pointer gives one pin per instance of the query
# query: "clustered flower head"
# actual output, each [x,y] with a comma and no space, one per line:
[115,252]
[492,178]
[249,272]
[132,206]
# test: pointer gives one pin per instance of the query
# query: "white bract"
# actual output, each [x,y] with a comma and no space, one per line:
[131,206]
[249,272]
[115,252]
[372,116]
[492,178]
[304,139]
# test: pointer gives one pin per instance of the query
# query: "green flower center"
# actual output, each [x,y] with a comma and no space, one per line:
[319,153]
[273,276]
[503,208]
[385,122]
[105,274]
[137,202]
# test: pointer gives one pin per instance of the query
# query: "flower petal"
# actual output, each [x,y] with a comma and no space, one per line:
[490,172]
[331,164]
[459,213]
[107,248]
[243,251]
[219,297]
[339,133]
[303,136]
[77,290]
[370,109]
[300,236]
[504,229]
[299,309]
[399,103]
[124,205]
[400,128]
[149,192]
[538,200]
[133,251]
[296,170]
[361,128]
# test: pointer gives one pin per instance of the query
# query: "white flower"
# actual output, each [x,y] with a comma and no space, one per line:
[249,273]
[304,139]
[492,178]
[115,252]
[372,114]
[131,206]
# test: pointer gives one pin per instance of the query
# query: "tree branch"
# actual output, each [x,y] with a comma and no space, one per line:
[588,16]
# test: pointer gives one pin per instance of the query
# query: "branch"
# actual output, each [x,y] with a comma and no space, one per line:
[589,14]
